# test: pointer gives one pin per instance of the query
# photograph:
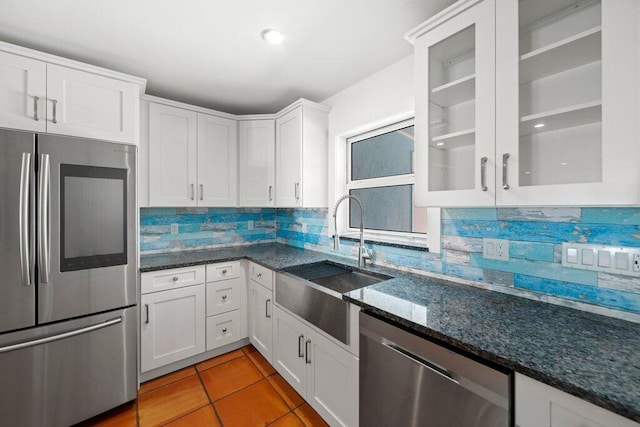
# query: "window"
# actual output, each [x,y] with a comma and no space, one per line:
[380,172]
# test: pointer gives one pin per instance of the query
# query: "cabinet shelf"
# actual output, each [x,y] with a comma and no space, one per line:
[463,138]
[455,92]
[575,115]
[579,49]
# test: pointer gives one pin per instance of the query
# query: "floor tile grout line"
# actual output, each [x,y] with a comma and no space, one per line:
[183,415]
[215,411]
[169,383]
[215,366]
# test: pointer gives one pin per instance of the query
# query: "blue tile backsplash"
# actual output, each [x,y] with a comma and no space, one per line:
[535,236]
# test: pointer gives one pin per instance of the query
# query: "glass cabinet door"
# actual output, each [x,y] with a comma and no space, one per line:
[559,97]
[455,110]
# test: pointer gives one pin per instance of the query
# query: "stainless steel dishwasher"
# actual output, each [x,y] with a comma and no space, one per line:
[406,380]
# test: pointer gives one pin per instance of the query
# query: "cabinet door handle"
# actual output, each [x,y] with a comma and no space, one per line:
[146,315]
[300,341]
[505,179]
[270,192]
[55,109]
[201,191]
[266,308]
[35,108]
[307,352]
[483,173]
[192,191]
[297,190]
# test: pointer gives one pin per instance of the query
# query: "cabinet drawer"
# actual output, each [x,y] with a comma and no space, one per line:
[223,271]
[223,329]
[224,296]
[261,274]
[171,279]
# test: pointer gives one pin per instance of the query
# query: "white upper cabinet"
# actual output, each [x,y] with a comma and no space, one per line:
[191,157]
[45,93]
[172,156]
[257,163]
[301,156]
[567,102]
[217,161]
[92,106]
[23,93]
[455,121]
[528,102]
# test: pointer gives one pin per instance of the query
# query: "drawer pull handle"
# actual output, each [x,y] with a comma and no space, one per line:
[224,297]
[259,275]
[224,330]
[300,340]
[224,271]
[174,278]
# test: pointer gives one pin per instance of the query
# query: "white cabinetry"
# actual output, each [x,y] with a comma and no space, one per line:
[455,121]
[192,157]
[261,309]
[538,404]
[257,163]
[301,153]
[173,320]
[565,126]
[324,373]
[226,304]
[44,93]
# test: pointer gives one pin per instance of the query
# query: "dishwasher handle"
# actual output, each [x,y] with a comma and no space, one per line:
[451,376]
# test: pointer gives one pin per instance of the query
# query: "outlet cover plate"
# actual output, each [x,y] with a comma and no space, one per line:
[607,259]
[495,249]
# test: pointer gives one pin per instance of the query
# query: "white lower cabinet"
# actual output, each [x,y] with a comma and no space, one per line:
[260,311]
[322,372]
[173,326]
[538,404]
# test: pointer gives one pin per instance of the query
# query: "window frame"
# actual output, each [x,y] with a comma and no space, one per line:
[397,237]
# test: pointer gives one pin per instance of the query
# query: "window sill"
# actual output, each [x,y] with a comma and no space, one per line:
[413,243]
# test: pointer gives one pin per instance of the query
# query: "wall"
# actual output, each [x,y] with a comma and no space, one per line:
[200,228]
[535,234]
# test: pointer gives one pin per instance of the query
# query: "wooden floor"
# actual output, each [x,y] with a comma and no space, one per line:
[236,389]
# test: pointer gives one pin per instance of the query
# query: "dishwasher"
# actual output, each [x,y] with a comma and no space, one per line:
[406,380]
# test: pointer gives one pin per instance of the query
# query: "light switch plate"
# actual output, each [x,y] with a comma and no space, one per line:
[609,259]
[495,249]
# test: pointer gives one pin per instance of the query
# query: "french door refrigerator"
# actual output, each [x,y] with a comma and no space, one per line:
[67,278]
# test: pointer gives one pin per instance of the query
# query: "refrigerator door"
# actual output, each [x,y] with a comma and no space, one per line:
[86,224]
[17,284]
[66,372]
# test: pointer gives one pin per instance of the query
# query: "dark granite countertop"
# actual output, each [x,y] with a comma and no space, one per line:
[594,357]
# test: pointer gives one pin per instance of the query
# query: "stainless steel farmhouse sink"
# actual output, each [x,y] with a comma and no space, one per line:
[314,292]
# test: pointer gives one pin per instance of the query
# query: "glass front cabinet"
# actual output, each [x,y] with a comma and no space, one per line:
[528,102]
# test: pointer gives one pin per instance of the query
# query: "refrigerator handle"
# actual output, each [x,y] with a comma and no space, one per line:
[60,336]
[44,237]
[25,174]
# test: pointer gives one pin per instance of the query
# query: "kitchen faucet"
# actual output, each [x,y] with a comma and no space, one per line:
[363,252]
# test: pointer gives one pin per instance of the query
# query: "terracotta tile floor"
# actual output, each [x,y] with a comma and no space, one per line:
[239,388]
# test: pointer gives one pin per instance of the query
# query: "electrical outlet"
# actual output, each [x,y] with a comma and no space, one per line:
[495,249]
[635,264]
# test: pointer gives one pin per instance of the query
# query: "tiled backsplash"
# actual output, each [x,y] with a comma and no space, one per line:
[174,229]
[535,236]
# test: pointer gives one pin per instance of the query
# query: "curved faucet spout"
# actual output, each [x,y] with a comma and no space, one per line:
[363,252]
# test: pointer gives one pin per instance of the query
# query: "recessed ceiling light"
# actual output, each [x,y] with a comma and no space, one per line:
[538,125]
[273,36]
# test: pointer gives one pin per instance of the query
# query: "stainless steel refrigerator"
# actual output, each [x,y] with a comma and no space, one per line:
[67,278]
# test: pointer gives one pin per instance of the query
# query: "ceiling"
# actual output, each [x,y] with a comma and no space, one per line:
[210,53]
